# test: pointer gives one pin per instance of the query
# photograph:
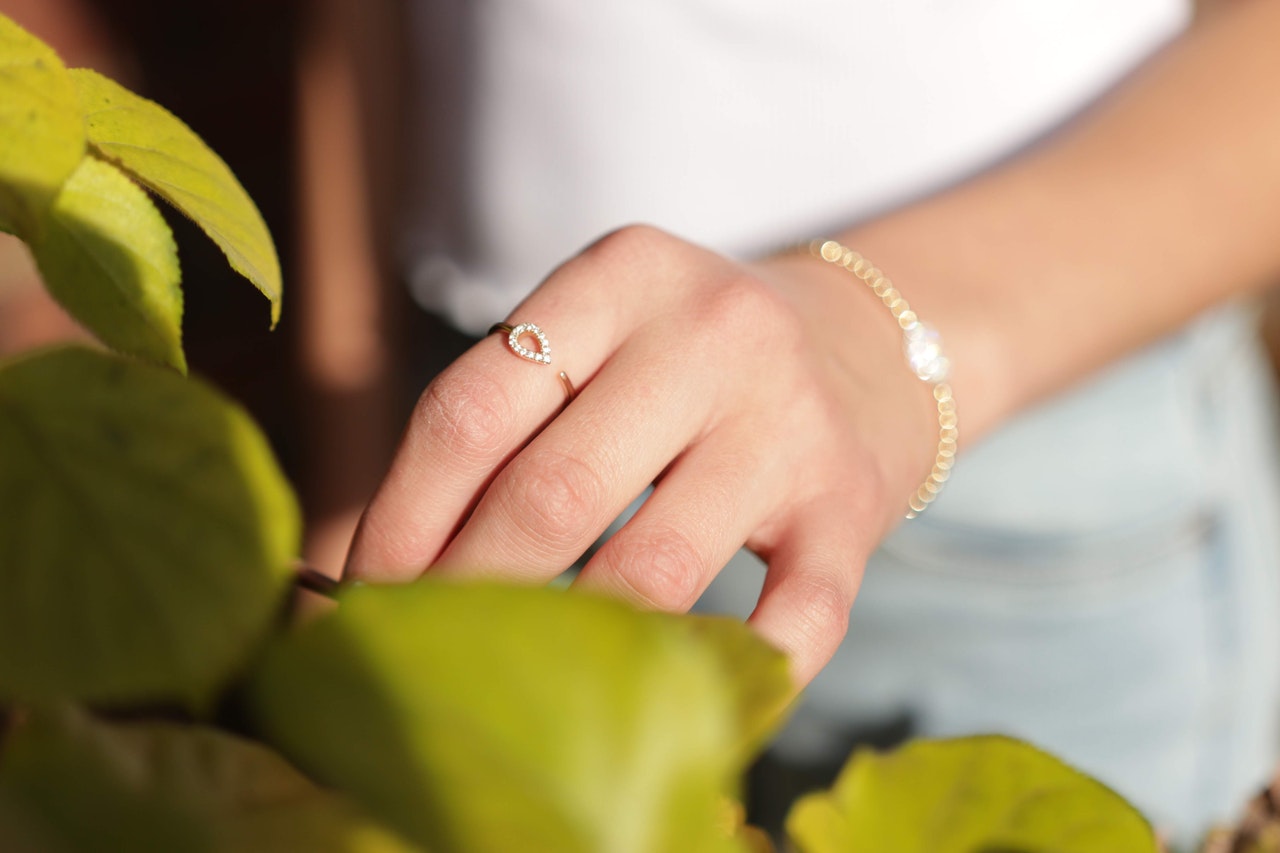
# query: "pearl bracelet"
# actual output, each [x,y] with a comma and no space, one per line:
[923,348]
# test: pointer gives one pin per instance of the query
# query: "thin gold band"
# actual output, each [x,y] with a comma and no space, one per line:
[542,355]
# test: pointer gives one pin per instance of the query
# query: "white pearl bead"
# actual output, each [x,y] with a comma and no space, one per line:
[923,346]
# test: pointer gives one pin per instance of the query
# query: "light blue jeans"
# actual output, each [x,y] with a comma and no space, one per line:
[1100,578]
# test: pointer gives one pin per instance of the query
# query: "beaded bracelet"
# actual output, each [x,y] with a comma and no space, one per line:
[923,348]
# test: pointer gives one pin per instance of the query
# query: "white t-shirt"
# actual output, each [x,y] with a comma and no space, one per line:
[739,124]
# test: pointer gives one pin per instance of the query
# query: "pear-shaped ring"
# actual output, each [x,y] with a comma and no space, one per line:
[541,355]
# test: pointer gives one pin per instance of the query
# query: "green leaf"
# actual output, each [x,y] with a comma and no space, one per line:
[485,717]
[107,255]
[161,152]
[41,131]
[750,839]
[66,798]
[758,675]
[958,796]
[146,532]
[77,784]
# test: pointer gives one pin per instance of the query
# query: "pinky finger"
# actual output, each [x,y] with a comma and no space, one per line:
[813,578]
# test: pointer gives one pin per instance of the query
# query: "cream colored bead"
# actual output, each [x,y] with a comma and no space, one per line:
[907,319]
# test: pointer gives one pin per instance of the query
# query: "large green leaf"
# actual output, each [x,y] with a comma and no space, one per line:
[108,256]
[146,532]
[41,132]
[75,784]
[485,717]
[156,148]
[758,675]
[958,796]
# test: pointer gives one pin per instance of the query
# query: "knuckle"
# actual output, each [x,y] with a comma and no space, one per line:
[471,412]
[552,499]
[627,257]
[628,243]
[663,572]
[743,303]
[823,605]
[391,550]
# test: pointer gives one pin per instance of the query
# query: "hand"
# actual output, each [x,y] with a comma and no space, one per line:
[769,403]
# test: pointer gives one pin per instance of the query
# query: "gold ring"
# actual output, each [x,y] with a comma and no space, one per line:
[542,355]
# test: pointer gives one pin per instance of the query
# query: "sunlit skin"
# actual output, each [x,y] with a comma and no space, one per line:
[770,400]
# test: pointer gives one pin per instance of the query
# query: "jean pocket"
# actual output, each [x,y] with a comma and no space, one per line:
[1139,549]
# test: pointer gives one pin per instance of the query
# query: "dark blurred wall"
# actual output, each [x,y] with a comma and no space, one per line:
[226,68]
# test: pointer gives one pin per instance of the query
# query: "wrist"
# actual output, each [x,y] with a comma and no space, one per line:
[892,414]
[948,291]
[925,356]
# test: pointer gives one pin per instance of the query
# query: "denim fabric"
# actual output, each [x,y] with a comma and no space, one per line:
[1100,578]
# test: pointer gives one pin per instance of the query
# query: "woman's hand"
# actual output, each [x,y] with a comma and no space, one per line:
[769,403]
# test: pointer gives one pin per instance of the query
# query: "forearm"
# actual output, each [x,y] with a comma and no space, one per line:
[1162,200]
